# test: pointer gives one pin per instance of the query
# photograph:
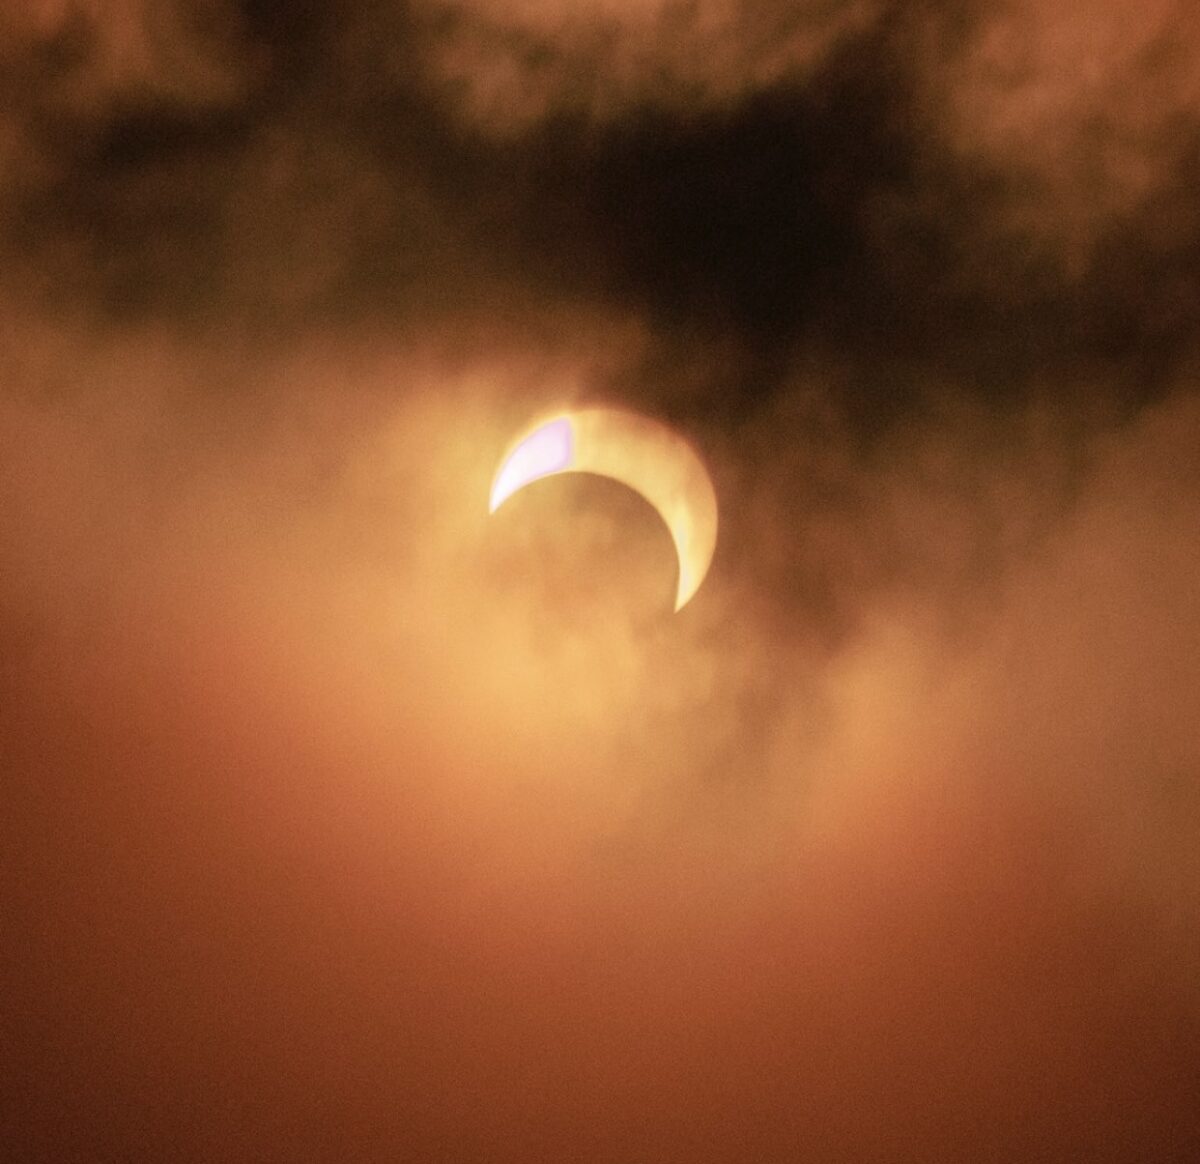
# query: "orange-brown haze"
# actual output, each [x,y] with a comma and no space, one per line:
[323,801]
[344,821]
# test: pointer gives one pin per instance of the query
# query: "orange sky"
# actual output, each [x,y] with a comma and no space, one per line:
[343,821]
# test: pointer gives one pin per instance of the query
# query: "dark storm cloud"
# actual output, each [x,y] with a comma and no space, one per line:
[342,820]
[753,181]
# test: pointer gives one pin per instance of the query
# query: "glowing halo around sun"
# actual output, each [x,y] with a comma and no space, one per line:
[643,454]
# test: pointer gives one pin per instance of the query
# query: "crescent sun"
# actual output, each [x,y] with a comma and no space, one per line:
[643,454]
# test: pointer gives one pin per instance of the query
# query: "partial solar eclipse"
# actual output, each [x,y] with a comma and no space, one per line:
[643,454]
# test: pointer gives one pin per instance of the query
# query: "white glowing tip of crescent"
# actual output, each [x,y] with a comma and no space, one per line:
[550,449]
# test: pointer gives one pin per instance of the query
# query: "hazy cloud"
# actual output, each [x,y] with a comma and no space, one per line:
[507,66]
[1089,113]
[340,817]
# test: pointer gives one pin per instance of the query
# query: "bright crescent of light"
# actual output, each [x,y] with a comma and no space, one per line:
[647,456]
